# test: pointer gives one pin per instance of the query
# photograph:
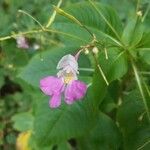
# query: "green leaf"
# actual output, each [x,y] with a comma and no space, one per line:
[76,35]
[15,56]
[52,126]
[23,121]
[99,87]
[63,123]
[132,33]
[2,77]
[115,66]
[132,121]
[104,136]
[82,11]
[145,41]
[108,104]
[145,55]
[64,146]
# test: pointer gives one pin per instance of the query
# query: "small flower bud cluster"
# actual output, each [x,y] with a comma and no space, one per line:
[139,13]
[86,51]
[95,50]
[23,43]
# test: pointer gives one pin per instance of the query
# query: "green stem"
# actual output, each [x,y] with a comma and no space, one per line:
[141,147]
[146,12]
[107,22]
[137,6]
[140,88]
[147,89]
[18,34]
[106,54]
[39,31]
[69,16]
[100,70]
[51,19]
[22,11]
[86,69]
[145,72]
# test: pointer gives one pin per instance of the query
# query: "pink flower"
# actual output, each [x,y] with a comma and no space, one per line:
[66,82]
[22,42]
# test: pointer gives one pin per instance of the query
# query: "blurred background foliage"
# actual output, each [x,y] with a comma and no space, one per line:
[121,122]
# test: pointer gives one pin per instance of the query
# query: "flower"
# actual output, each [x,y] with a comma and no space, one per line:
[22,141]
[22,42]
[36,46]
[65,82]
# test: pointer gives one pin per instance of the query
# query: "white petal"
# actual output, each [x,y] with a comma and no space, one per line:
[68,60]
[63,73]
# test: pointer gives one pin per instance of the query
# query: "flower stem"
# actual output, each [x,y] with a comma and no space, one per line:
[22,11]
[21,33]
[100,70]
[146,12]
[52,17]
[106,54]
[104,18]
[141,147]
[39,31]
[140,88]
[86,69]
[69,16]
[137,5]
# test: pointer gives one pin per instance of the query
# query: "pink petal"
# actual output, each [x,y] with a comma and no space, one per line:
[75,91]
[55,101]
[51,85]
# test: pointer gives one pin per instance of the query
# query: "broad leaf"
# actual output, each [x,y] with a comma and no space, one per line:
[115,66]
[133,123]
[104,136]
[132,33]
[82,11]
[99,87]
[68,121]
[23,121]
[145,55]
[145,41]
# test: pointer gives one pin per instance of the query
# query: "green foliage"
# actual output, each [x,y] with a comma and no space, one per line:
[23,121]
[113,113]
[132,33]
[64,123]
[133,123]
[104,135]
[116,65]
[93,22]
[145,55]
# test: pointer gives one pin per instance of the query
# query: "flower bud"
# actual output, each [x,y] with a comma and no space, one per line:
[139,13]
[22,42]
[10,66]
[36,46]
[95,50]
[86,51]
